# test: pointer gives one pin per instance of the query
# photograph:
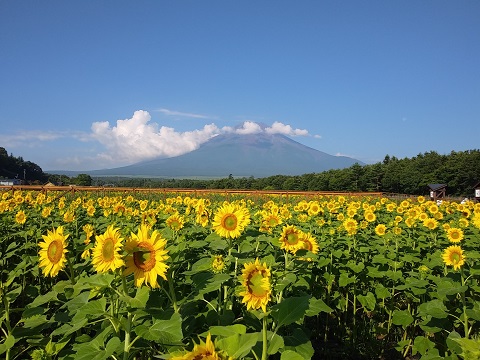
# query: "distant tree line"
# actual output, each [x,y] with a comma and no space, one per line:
[12,167]
[460,171]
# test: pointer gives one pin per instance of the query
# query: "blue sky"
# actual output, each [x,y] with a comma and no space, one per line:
[95,84]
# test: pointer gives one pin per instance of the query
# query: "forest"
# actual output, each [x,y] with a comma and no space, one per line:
[459,170]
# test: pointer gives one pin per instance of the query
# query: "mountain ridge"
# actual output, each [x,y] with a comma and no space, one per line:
[239,155]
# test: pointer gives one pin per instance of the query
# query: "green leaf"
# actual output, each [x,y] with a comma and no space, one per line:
[54,348]
[42,299]
[95,348]
[299,342]
[436,308]
[447,287]
[7,344]
[368,301]
[374,272]
[204,264]
[93,307]
[163,331]
[275,343]
[355,267]
[316,306]
[452,344]
[382,292]
[100,280]
[95,351]
[322,262]
[13,294]
[345,280]
[140,300]
[402,317]
[239,345]
[77,302]
[206,282]
[67,329]
[422,345]
[290,310]
[288,279]
[225,331]
[34,321]
[470,348]
[292,355]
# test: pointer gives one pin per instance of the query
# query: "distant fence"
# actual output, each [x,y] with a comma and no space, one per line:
[196,192]
[72,189]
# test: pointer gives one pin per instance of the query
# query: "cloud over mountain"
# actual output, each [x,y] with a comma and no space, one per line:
[137,138]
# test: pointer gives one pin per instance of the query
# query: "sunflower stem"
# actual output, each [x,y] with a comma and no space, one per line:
[72,273]
[464,305]
[265,340]
[126,346]
[172,291]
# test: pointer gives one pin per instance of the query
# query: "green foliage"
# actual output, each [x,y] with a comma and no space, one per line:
[459,170]
[360,295]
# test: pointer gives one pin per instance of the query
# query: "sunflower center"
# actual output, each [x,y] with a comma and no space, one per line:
[455,258]
[205,355]
[292,238]
[272,222]
[144,260]
[108,250]
[229,222]
[255,285]
[54,251]
[307,245]
[175,225]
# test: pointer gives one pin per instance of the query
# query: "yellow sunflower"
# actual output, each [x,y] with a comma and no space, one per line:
[430,223]
[463,223]
[175,222]
[453,256]
[202,218]
[88,229]
[256,284]
[147,255]
[350,225]
[218,264]
[230,220]
[380,229]
[309,243]
[203,351]
[369,216]
[314,208]
[20,217]
[69,216]
[454,235]
[52,252]
[271,220]
[106,255]
[291,238]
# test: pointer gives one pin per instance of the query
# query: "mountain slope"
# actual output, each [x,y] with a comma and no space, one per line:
[257,155]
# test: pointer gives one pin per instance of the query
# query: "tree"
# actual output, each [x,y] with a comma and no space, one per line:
[83,180]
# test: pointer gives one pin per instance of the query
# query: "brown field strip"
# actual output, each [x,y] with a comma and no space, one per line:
[196,192]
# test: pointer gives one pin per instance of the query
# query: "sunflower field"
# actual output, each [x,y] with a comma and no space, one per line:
[119,275]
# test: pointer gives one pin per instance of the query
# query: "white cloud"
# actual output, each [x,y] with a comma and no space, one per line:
[32,137]
[249,127]
[181,114]
[136,139]
[127,141]
[279,128]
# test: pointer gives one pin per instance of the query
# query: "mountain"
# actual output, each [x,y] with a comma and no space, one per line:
[257,155]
